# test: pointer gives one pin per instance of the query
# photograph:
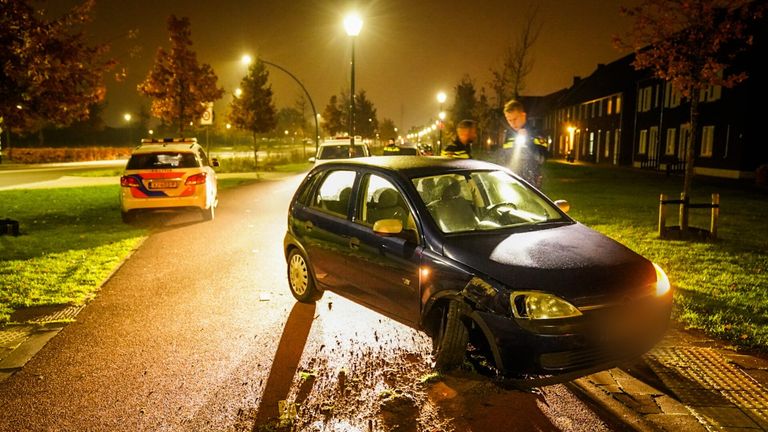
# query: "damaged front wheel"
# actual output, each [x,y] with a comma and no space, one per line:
[450,340]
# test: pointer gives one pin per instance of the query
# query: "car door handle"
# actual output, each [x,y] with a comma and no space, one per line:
[308,225]
[354,243]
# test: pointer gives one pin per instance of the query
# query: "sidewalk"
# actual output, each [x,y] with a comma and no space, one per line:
[688,382]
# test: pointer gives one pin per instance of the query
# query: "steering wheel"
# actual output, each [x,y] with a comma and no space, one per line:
[495,207]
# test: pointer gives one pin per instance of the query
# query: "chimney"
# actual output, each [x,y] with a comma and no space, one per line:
[600,66]
[576,80]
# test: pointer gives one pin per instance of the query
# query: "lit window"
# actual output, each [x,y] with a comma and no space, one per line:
[707,140]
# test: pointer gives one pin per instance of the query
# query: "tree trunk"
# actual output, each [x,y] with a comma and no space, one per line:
[255,153]
[690,154]
[40,138]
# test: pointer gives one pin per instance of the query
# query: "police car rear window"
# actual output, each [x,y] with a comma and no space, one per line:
[162,160]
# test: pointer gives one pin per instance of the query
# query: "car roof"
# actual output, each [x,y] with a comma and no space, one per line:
[175,147]
[414,166]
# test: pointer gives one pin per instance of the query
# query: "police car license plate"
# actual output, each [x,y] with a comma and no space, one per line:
[163,184]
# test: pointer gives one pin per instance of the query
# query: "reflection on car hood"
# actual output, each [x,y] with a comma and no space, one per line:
[572,261]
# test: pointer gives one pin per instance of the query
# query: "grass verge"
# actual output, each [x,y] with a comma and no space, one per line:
[721,286]
[72,238]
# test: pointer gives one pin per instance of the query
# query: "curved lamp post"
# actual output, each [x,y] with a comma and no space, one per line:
[246,59]
[441,97]
[352,24]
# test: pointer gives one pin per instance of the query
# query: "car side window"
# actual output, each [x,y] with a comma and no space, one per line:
[381,200]
[334,193]
[203,157]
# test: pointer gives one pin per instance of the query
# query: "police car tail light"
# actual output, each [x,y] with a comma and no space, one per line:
[196,179]
[129,181]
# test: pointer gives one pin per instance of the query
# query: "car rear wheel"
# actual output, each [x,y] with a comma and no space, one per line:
[300,278]
[209,213]
[450,340]
[127,216]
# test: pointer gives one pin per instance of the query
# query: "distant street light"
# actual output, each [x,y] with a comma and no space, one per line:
[246,59]
[238,92]
[127,117]
[352,24]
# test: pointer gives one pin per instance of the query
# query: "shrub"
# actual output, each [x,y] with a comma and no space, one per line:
[27,155]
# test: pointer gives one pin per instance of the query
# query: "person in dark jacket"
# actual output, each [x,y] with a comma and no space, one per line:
[391,148]
[524,149]
[461,147]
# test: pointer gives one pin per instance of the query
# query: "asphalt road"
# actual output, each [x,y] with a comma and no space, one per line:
[197,332]
[30,174]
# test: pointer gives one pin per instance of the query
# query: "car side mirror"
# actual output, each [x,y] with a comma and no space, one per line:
[311,160]
[214,162]
[563,205]
[388,227]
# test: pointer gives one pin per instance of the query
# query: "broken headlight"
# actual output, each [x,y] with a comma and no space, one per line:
[539,305]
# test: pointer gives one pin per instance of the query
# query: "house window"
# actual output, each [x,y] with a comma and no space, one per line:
[618,104]
[710,94]
[707,139]
[670,145]
[600,108]
[653,142]
[644,99]
[592,108]
[643,142]
[616,141]
[685,141]
[610,106]
[591,143]
[607,146]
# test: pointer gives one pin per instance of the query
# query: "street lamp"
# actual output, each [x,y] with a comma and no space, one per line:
[352,24]
[238,92]
[246,59]
[127,117]
[441,97]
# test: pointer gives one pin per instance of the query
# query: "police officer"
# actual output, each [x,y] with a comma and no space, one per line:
[461,147]
[523,149]
[391,148]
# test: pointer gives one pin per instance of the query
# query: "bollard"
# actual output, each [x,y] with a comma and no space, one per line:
[683,213]
[662,216]
[715,216]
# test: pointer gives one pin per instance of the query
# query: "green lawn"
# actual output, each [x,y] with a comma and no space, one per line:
[72,239]
[722,286]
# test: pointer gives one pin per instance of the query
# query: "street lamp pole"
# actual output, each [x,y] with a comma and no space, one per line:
[441,97]
[352,24]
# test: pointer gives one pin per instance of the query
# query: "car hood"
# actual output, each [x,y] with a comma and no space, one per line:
[571,261]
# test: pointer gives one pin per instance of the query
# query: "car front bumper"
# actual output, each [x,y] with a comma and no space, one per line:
[604,337]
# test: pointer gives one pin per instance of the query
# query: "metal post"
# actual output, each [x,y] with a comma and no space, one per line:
[683,213]
[352,103]
[715,216]
[662,216]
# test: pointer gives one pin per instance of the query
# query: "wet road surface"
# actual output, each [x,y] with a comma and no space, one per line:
[198,332]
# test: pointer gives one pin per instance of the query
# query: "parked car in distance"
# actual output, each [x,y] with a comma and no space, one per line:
[467,252]
[339,148]
[409,149]
[169,174]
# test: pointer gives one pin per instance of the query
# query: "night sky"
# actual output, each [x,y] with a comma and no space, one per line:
[408,50]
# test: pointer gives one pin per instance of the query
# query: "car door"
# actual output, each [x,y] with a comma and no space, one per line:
[322,226]
[384,270]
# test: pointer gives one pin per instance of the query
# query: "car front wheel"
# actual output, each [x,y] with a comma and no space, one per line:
[450,340]
[300,278]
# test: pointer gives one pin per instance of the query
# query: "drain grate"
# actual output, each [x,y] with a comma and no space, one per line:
[10,336]
[719,393]
[67,313]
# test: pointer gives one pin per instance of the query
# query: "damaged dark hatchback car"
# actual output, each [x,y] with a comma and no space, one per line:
[477,258]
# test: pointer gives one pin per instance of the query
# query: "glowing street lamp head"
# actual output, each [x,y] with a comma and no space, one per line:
[238,92]
[353,24]
[246,59]
[441,115]
[127,117]
[441,97]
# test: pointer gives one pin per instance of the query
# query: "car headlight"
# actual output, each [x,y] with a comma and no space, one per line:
[662,281]
[538,305]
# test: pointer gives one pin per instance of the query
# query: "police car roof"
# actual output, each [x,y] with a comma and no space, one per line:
[166,144]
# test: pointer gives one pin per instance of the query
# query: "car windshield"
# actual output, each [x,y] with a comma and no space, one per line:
[483,201]
[162,160]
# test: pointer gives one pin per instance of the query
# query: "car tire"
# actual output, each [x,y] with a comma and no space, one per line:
[450,340]
[300,279]
[127,216]
[209,213]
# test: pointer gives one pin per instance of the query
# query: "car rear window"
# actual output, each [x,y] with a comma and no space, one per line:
[162,160]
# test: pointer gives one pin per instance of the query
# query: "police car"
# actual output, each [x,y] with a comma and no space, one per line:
[338,148]
[169,174]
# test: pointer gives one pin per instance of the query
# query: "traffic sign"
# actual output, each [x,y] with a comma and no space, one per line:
[207,117]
